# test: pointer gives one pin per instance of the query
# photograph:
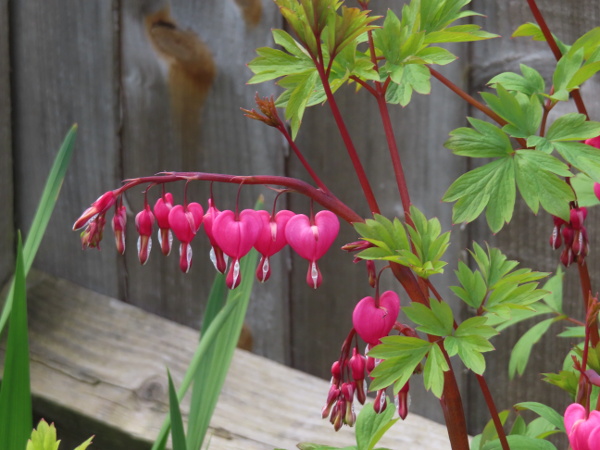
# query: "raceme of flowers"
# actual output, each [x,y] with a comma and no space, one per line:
[232,234]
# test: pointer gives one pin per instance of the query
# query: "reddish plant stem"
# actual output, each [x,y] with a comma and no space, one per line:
[343,129]
[489,400]
[283,130]
[539,18]
[325,199]
[586,291]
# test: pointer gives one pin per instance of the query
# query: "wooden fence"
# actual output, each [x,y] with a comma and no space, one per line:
[157,85]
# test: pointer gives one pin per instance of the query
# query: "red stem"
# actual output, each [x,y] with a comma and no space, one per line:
[489,400]
[539,18]
[325,199]
[586,291]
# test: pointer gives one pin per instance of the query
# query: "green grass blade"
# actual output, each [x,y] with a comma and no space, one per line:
[210,376]
[15,394]
[43,213]
[177,433]
[215,302]
[207,340]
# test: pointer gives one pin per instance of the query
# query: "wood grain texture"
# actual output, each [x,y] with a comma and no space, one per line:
[64,65]
[7,239]
[98,367]
[225,142]
[526,239]
[322,318]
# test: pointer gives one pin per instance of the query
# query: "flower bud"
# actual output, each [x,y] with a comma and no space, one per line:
[99,207]
[380,401]
[118,225]
[567,257]
[144,221]
[578,216]
[402,401]
[555,238]
[162,208]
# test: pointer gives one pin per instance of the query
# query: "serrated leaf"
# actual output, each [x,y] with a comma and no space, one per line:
[473,288]
[530,83]
[519,355]
[437,320]
[484,140]
[573,127]
[537,176]
[490,187]
[43,437]
[433,372]
[523,113]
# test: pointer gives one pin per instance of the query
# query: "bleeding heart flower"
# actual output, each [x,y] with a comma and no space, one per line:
[583,430]
[270,240]
[185,222]
[118,225]
[144,221]
[236,236]
[100,206]
[373,322]
[216,254]
[311,240]
[162,207]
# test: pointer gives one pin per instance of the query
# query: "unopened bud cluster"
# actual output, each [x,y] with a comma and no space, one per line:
[231,234]
[571,236]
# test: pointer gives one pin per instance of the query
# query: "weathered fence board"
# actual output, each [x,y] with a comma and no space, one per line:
[99,367]
[178,117]
[7,241]
[64,65]
[526,239]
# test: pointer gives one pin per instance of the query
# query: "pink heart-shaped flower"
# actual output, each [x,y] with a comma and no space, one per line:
[311,241]
[185,222]
[272,236]
[372,322]
[236,236]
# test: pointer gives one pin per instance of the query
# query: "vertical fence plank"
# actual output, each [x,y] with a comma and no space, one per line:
[526,238]
[176,119]
[321,319]
[64,72]
[6,168]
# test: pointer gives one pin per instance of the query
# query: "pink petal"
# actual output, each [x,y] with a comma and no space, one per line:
[272,236]
[236,237]
[371,322]
[311,242]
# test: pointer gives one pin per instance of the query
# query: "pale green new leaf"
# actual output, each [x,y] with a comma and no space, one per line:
[484,140]
[370,426]
[472,289]
[43,437]
[523,113]
[533,30]
[538,177]
[433,372]
[519,356]
[436,320]
[583,186]
[530,83]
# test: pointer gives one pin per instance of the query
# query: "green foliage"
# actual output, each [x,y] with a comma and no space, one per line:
[44,211]
[405,44]
[545,412]
[519,356]
[44,438]
[436,320]
[530,83]
[177,431]
[533,30]
[15,392]
[392,242]
[469,341]
[370,428]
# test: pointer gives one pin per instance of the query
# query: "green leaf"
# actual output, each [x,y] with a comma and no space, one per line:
[43,212]
[519,442]
[407,353]
[573,127]
[437,320]
[490,187]
[311,446]
[519,356]
[15,391]
[589,42]
[370,426]
[583,186]
[484,140]
[544,411]
[522,112]
[584,157]
[473,288]
[177,432]
[85,444]
[43,437]
[433,372]
[469,341]
[533,30]
[530,83]
[566,68]
[537,176]
[554,286]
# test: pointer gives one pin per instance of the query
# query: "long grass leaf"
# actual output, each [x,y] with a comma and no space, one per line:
[215,302]
[177,432]
[210,375]
[15,394]
[43,213]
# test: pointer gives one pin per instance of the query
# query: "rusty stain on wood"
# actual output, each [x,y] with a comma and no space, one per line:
[191,71]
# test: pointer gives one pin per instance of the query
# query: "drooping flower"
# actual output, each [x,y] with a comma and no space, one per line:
[144,221]
[373,322]
[270,240]
[582,429]
[92,235]
[118,225]
[216,254]
[162,208]
[311,239]
[185,222]
[236,235]
[100,206]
